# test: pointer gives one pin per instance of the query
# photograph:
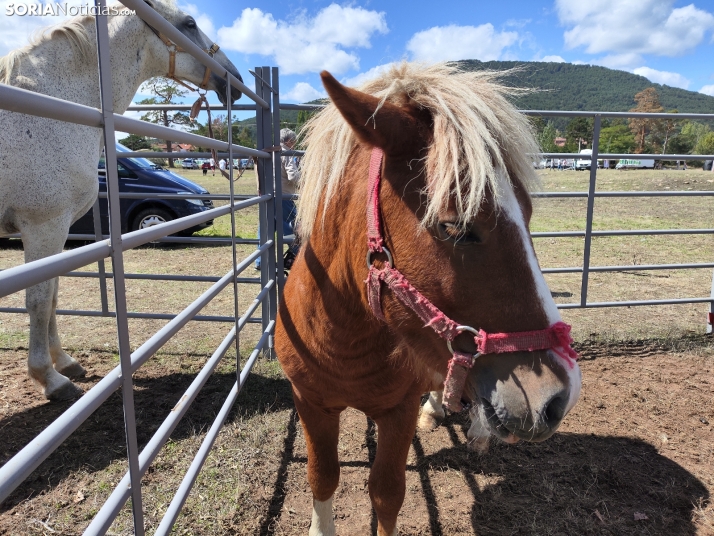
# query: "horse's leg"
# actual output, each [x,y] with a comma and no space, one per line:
[479,432]
[63,362]
[41,241]
[321,428]
[432,413]
[395,431]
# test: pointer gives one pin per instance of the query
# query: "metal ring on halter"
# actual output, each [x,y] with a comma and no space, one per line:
[385,251]
[459,329]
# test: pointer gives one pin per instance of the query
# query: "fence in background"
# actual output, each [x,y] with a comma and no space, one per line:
[269,247]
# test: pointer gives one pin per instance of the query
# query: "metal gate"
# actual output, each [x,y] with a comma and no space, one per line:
[12,280]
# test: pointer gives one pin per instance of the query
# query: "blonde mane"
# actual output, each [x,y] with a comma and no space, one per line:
[477,133]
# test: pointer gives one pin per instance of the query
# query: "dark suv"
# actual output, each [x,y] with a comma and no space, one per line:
[139,175]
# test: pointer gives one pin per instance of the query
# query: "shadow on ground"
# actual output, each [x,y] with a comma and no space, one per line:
[100,440]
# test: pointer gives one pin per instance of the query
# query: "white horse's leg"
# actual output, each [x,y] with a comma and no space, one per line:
[323,522]
[432,413]
[63,362]
[40,241]
[479,432]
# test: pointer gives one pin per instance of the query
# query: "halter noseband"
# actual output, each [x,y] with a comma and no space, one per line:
[556,338]
[173,49]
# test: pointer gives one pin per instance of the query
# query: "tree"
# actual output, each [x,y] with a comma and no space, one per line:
[690,135]
[647,102]
[579,133]
[166,91]
[705,144]
[546,138]
[663,130]
[136,143]
[616,138]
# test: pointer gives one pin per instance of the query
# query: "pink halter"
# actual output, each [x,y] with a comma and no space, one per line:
[556,338]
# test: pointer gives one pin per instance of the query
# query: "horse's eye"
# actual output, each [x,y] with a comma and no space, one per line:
[191,23]
[457,234]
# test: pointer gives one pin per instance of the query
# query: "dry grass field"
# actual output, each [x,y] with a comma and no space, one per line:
[636,455]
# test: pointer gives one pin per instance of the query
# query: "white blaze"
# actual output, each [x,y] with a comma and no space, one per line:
[509,204]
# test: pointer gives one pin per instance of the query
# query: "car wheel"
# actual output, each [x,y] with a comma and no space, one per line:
[150,217]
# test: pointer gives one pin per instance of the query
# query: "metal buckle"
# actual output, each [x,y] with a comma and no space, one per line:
[214,48]
[460,329]
[385,251]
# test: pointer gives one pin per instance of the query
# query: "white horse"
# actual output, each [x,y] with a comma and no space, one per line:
[41,202]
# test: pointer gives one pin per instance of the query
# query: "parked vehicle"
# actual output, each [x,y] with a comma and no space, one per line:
[582,163]
[635,164]
[139,175]
[247,163]
[189,163]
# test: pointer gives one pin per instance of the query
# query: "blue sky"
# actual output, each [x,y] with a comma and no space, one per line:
[667,41]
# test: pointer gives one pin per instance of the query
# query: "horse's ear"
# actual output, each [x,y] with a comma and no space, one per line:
[394,129]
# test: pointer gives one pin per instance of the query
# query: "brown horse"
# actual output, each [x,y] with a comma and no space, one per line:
[449,224]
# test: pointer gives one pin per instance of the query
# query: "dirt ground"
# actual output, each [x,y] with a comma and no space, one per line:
[635,456]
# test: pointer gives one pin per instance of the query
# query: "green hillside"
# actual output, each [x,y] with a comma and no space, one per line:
[588,87]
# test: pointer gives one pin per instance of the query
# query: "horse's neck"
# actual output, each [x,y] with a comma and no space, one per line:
[53,67]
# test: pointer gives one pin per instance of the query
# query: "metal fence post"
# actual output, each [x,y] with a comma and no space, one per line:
[589,215]
[96,216]
[234,253]
[266,186]
[107,103]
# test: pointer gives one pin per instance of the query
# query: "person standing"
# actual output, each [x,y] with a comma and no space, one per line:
[212,162]
[290,176]
[222,165]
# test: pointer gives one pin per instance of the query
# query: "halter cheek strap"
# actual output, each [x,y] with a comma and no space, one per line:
[556,337]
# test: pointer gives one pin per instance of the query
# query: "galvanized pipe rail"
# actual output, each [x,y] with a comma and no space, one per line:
[14,279]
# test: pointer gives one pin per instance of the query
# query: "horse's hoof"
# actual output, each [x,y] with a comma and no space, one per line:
[74,370]
[68,391]
[428,422]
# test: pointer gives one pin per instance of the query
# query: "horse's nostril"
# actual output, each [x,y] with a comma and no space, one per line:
[555,409]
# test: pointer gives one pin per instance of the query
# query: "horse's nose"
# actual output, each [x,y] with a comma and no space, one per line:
[525,399]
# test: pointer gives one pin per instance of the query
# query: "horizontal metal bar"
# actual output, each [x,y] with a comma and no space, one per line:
[594,305]
[165,277]
[206,240]
[173,154]
[135,126]
[674,193]
[632,232]
[629,268]
[189,478]
[212,197]
[265,84]
[25,275]
[559,113]
[28,102]
[111,507]
[23,101]
[112,314]
[217,107]
[162,25]
[624,156]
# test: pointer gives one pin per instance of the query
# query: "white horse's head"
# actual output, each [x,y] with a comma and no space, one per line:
[185,66]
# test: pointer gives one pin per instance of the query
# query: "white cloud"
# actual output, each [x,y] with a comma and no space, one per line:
[708,90]
[303,92]
[633,26]
[15,31]
[553,59]
[442,43]
[305,44]
[361,78]
[663,77]
[204,21]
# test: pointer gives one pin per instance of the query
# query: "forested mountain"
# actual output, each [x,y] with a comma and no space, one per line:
[565,86]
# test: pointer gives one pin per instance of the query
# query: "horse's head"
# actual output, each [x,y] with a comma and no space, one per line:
[455,212]
[185,66]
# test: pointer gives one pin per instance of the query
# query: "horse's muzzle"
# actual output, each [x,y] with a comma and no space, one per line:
[522,395]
